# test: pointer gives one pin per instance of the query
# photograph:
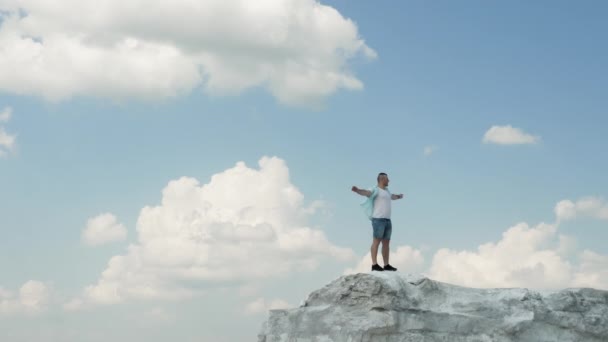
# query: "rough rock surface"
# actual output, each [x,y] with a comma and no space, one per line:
[391,307]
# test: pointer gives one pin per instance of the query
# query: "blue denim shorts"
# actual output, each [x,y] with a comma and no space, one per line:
[383,228]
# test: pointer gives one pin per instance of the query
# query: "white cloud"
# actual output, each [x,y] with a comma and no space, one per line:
[405,258]
[565,210]
[261,306]
[103,229]
[297,49]
[242,226]
[428,150]
[593,271]
[5,114]
[524,257]
[508,135]
[7,141]
[567,245]
[594,207]
[4,293]
[32,298]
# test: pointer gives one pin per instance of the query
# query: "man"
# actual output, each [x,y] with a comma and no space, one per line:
[378,209]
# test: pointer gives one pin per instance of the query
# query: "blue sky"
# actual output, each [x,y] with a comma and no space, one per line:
[442,74]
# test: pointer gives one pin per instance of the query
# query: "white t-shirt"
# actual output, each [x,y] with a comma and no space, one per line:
[382,204]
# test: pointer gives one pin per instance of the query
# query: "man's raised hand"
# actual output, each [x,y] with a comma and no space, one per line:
[354,188]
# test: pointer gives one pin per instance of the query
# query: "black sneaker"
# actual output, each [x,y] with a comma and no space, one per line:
[388,267]
[377,267]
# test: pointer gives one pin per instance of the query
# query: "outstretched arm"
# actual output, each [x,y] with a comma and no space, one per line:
[361,192]
[395,197]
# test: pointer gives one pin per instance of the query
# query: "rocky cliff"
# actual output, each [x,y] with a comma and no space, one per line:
[391,307]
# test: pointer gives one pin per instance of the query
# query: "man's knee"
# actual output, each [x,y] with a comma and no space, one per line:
[376,241]
[385,242]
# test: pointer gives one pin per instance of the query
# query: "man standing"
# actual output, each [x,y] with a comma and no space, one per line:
[378,209]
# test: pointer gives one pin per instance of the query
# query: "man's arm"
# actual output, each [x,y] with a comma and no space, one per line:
[361,192]
[396,197]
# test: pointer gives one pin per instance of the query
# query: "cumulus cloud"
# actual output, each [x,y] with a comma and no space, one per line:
[7,141]
[508,135]
[32,298]
[261,305]
[567,245]
[593,207]
[103,229]
[244,225]
[298,50]
[593,271]
[524,257]
[408,259]
[5,114]
[528,256]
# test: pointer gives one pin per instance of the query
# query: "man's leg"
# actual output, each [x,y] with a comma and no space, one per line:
[385,250]
[386,240]
[377,234]
[374,250]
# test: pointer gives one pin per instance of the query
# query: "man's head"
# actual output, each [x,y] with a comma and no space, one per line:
[382,179]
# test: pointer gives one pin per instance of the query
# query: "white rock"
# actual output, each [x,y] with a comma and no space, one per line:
[391,307]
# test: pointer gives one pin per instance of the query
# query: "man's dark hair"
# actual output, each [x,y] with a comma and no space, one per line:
[380,175]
